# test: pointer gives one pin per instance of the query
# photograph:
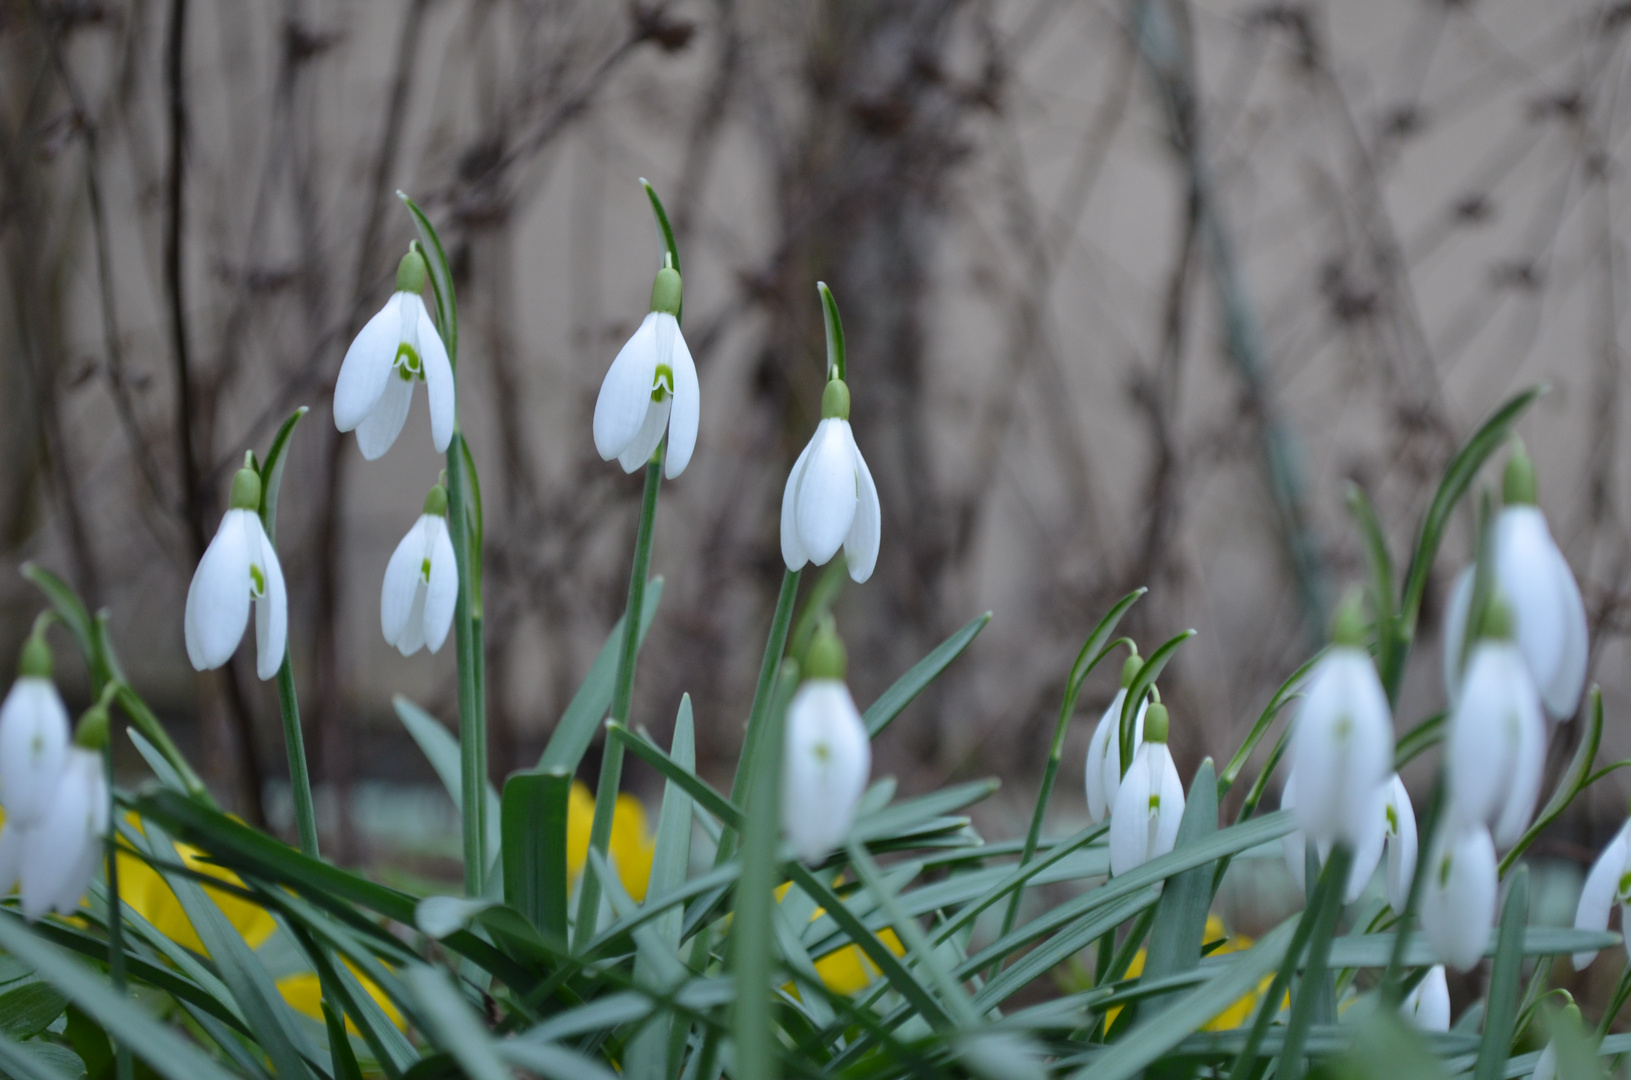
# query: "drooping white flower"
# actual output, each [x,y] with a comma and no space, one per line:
[1608,883]
[238,567]
[830,500]
[1342,745]
[1546,1064]
[1150,804]
[827,757]
[1294,845]
[1458,898]
[1548,614]
[1495,747]
[1103,774]
[1401,844]
[55,857]
[421,582]
[396,348]
[1427,1007]
[33,736]
[651,388]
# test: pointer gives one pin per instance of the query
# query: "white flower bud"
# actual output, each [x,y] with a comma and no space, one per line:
[1427,1007]
[651,388]
[1608,883]
[421,587]
[33,744]
[1342,749]
[396,348]
[239,567]
[827,762]
[1458,897]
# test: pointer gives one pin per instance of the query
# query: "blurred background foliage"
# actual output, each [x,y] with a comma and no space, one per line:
[1131,291]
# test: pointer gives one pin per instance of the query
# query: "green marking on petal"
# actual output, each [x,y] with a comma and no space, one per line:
[1155,802]
[424,571]
[663,385]
[1392,820]
[408,363]
[1444,872]
[257,578]
[822,751]
[1625,887]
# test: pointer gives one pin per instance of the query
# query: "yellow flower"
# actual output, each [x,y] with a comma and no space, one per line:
[147,893]
[847,970]
[631,848]
[1235,1015]
[304,993]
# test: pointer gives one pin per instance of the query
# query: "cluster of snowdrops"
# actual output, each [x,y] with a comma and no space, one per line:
[1515,653]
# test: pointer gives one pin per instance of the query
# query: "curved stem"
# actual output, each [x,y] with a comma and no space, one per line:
[611,761]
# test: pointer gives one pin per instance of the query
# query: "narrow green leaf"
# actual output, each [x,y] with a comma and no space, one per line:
[1502,999]
[36,1061]
[453,1025]
[441,749]
[648,1052]
[837,364]
[166,1052]
[582,718]
[28,1008]
[267,1014]
[889,705]
[664,229]
[1313,986]
[340,1052]
[272,472]
[1180,918]
[534,817]
[1418,740]
[552,1061]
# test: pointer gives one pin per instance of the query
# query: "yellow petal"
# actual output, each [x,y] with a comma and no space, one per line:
[147,893]
[304,993]
[580,819]
[632,847]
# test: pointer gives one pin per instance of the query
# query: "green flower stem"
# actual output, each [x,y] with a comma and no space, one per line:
[1304,1003]
[472,724]
[124,1067]
[305,812]
[611,761]
[775,645]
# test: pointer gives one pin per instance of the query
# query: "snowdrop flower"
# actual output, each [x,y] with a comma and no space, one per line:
[1546,1064]
[830,500]
[828,756]
[1144,820]
[1294,845]
[1104,752]
[1608,883]
[1427,1007]
[240,565]
[1458,901]
[651,388]
[1548,615]
[33,736]
[421,582]
[394,349]
[55,856]
[1342,747]
[1495,748]
[1401,844]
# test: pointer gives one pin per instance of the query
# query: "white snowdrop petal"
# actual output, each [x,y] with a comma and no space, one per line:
[1546,1064]
[1482,735]
[866,530]
[1401,844]
[1294,845]
[1098,801]
[439,382]
[793,553]
[1368,852]
[1601,889]
[218,598]
[625,393]
[1529,762]
[53,847]
[1171,811]
[367,366]
[412,638]
[402,575]
[1130,817]
[827,761]
[1342,748]
[827,496]
[1458,903]
[1428,1006]
[379,429]
[272,609]
[687,410]
[638,452]
[34,728]
[1455,633]
[442,594]
[1524,571]
[1561,692]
